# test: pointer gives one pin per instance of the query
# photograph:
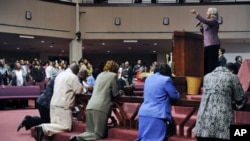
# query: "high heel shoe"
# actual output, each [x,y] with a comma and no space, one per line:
[22,124]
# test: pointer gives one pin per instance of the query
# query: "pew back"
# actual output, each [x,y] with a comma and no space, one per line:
[20,92]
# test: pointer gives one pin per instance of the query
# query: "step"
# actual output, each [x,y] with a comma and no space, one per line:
[120,134]
[114,134]
[181,138]
[77,128]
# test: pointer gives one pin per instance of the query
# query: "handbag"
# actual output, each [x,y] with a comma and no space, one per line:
[171,127]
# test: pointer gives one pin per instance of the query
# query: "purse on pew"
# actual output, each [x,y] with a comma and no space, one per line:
[171,127]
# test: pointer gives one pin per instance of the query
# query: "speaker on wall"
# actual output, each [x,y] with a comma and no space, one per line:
[78,36]
[28,15]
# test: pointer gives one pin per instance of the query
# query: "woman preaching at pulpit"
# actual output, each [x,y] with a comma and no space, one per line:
[209,27]
[155,111]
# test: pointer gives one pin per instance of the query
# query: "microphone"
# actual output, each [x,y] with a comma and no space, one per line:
[198,23]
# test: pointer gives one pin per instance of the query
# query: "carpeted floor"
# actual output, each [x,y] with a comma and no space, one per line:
[10,119]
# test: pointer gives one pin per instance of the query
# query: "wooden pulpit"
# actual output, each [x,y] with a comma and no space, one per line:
[188,54]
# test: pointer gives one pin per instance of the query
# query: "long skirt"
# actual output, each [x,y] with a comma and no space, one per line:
[152,129]
[96,126]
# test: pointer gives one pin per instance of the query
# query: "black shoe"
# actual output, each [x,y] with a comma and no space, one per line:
[72,138]
[22,124]
[39,133]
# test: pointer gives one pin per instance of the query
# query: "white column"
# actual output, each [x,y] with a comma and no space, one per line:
[75,51]
[77,17]
[75,47]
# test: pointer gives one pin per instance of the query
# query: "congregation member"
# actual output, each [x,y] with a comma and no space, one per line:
[98,109]
[128,72]
[91,80]
[83,74]
[124,86]
[222,91]
[66,87]
[48,69]
[137,67]
[37,72]
[4,75]
[152,67]
[155,111]
[238,62]
[222,59]
[18,78]
[85,65]
[209,26]
[43,106]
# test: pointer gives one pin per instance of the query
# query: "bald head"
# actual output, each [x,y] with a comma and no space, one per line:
[75,68]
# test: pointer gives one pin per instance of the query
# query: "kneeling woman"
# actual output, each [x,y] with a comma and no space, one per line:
[155,111]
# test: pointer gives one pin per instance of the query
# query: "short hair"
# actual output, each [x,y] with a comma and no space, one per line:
[232,67]
[214,12]
[163,69]
[85,72]
[75,68]
[237,57]
[222,50]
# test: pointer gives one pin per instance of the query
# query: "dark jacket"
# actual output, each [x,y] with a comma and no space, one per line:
[44,99]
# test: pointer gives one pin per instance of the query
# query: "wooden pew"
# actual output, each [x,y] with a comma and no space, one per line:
[18,92]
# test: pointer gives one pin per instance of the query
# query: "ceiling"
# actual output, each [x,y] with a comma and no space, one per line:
[40,44]
[13,43]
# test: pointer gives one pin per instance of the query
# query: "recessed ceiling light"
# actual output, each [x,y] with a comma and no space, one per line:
[155,44]
[130,41]
[62,50]
[50,46]
[42,41]
[103,44]
[108,51]
[18,48]
[129,47]
[154,51]
[26,36]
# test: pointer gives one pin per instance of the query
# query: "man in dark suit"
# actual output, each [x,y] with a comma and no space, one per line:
[127,72]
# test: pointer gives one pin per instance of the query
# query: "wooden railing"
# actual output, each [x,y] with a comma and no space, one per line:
[185,100]
[130,120]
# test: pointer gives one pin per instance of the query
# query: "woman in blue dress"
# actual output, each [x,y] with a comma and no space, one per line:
[155,111]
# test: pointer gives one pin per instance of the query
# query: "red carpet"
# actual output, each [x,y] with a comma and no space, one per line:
[9,121]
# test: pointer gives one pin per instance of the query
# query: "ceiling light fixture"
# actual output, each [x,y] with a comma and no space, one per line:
[130,41]
[27,37]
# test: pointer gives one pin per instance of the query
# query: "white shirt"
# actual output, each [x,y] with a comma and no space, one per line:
[66,86]
[19,77]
